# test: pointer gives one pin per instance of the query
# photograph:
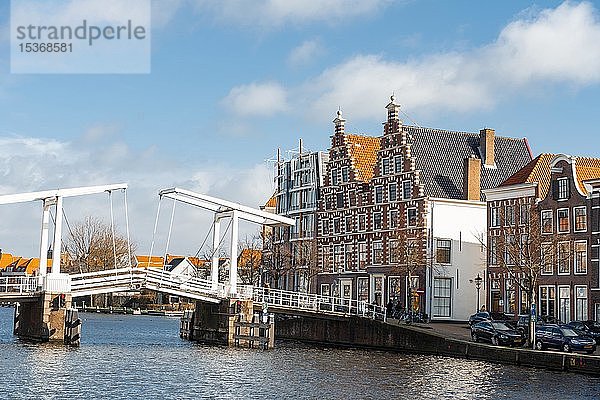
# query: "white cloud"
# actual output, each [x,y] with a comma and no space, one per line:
[277,13]
[305,53]
[31,164]
[256,99]
[559,45]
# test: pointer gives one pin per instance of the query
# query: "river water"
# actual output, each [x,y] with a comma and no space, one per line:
[142,357]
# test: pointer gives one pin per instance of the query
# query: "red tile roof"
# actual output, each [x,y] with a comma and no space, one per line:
[537,170]
[363,152]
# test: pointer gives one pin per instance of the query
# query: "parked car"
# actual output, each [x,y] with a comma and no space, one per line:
[496,332]
[586,328]
[488,316]
[478,317]
[562,337]
[522,324]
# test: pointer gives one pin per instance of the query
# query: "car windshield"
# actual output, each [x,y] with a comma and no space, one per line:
[501,326]
[568,332]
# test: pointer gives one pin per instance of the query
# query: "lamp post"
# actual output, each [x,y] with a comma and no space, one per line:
[477,281]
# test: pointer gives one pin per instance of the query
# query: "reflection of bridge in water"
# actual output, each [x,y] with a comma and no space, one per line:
[225,312]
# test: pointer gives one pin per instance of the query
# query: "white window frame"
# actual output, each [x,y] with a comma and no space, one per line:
[395,191]
[560,259]
[405,183]
[436,295]
[581,307]
[495,217]
[575,218]
[575,258]
[546,212]
[380,220]
[448,248]
[558,189]
[558,221]
[378,194]
[377,246]
[564,310]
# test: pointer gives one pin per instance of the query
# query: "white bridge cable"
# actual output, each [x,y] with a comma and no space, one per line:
[154,232]
[168,239]
[112,229]
[127,228]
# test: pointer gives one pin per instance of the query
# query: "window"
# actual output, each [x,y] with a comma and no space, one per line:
[394,248]
[581,303]
[509,219]
[509,250]
[547,300]
[348,257]
[325,290]
[442,254]
[363,289]
[349,224]
[395,288]
[406,190]
[392,192]
[524,307]
[393,222]
[411,217]
[495,216]
[564,258]
[547,221]
[379,194]
[338,257]
[561,189]
[398,164]
[493,248]
[337,226]
[562,217]
[510,300]
[376,220]
[385,166]
[581,257]
[377,252]
[326,261]
[362,222]
[362,255]
[580,216]
[564,304]
[352,198]
[524,214]
[344,174]
[325,226]
[442,291]
[339,200]
[547,259]
[334,176]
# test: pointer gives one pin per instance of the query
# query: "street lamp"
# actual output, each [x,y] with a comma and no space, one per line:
[477,282]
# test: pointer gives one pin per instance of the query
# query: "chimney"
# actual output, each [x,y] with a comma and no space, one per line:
[339,123]
[472,179]
[486,146]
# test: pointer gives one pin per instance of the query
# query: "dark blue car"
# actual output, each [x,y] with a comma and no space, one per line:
[564,338]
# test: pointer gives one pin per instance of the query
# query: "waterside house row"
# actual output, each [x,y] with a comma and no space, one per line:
[543,230]
[400,216]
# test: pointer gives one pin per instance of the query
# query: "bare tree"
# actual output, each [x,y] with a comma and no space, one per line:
[250,260]
[525,253]
[91,247]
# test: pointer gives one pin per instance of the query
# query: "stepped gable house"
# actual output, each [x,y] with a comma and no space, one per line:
[409,203]
[550,206]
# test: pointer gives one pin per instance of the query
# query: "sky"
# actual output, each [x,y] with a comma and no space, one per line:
[233,80]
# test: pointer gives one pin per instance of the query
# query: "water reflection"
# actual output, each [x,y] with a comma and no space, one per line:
[139,356]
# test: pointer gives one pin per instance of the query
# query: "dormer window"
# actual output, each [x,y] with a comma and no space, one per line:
[561,189]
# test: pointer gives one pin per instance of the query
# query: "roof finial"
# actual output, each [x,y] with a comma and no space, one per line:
[393,97]
[339,112]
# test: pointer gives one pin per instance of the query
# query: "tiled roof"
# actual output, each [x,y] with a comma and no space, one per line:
[363,151]
[537,170]
[586,168]
[440,154]
[271,203]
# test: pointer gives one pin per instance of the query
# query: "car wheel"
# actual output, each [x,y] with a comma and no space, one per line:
[566,348]
[474,337]
[494,340]
[539,345]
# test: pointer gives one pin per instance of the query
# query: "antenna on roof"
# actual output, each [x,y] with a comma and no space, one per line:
[409,118]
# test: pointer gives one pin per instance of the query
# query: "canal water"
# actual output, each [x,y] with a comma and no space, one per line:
[142,357]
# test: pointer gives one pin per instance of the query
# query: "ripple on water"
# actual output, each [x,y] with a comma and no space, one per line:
[143,357]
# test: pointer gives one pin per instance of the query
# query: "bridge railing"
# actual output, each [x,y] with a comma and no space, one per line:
[318,303]
[19,284]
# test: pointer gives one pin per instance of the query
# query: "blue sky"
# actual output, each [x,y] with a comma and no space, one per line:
[233,80]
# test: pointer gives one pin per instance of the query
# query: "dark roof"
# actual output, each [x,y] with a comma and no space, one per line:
[440,154]
[174,263]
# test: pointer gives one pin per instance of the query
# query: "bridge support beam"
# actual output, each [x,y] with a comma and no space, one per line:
[232,322]
[43,319]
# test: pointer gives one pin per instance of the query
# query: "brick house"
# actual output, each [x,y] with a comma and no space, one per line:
[547,200]
[411,191]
